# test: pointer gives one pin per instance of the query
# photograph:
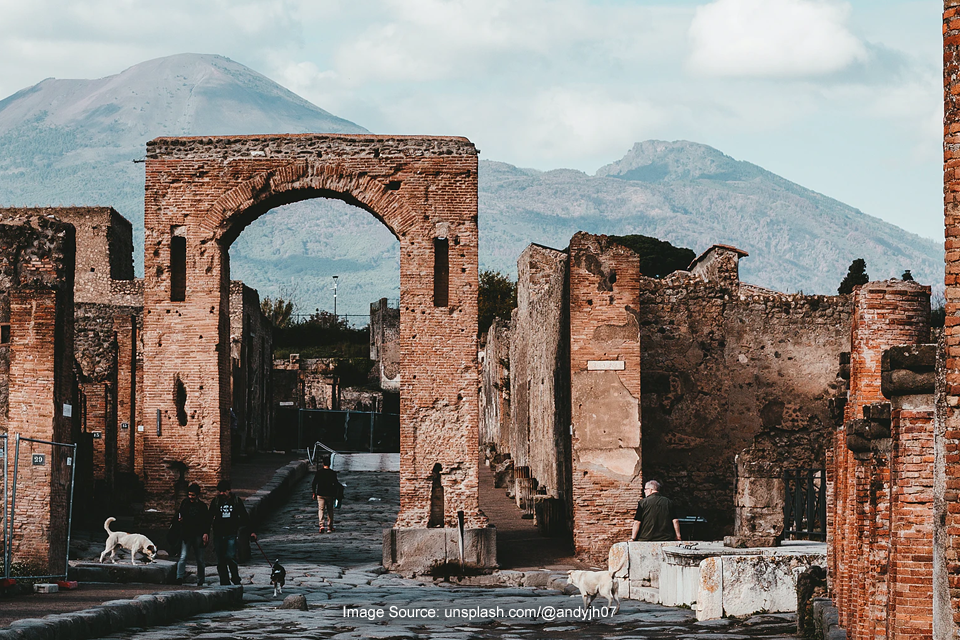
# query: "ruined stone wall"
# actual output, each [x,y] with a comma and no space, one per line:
[36,299]
[495,387]
[947,602]
[251,356]
[104,254]
[539,436]
[881,475]
[732,370]
[201,193]
[385,343]
[605,348]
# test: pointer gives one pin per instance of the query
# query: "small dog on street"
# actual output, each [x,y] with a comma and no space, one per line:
[133,542]
[278,577]
[597,583]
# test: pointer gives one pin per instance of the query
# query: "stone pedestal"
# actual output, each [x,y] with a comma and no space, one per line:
[437,551]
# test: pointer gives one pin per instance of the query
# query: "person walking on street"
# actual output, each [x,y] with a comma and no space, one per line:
[656,518]
[326,486]
[194,519]
[228,515]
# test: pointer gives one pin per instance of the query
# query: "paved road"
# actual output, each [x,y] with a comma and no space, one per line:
[349,596]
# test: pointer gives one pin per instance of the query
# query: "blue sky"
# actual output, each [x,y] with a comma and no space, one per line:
[842,97]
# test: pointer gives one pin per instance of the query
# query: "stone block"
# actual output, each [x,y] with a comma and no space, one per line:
[735,586]
[420,551]
[45,588]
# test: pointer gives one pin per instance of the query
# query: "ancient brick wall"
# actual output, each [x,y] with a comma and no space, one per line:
[495,387]
[732,370]
[947,598]
[385,343]
[605,347]
[881,474]
[539,432]
[251,358]
[36,281]
[202,192]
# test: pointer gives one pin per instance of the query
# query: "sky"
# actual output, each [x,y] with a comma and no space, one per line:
[842,97]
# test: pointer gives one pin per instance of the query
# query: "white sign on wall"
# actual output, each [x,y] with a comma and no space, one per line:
[605,365]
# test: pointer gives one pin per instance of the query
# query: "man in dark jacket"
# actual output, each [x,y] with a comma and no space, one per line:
[325,490]
[656,518]
[228,515]
[194,520]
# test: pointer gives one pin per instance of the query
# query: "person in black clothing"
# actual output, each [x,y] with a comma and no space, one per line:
[325,490]
[228,515]
[656,518]
[194,520]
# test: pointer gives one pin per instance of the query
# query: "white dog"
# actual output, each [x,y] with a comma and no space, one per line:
[597,583]
[132,542]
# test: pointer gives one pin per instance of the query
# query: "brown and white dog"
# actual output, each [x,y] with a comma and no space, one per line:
[133,542]
[597,583]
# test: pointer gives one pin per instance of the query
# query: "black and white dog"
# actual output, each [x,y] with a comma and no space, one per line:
[278,577]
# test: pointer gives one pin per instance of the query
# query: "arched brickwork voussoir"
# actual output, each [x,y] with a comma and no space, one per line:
[202,192]
[304,180]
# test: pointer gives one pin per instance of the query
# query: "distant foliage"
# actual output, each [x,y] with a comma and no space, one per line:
[658,258]
[497,299]
[322,335]
[938,310]
[278,311]
[856,276]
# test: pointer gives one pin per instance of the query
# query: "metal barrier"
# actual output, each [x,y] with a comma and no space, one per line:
[62,457]
[349,430]
[805,504]
[5,549]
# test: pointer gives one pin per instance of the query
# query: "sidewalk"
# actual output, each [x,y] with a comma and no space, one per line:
[248,477]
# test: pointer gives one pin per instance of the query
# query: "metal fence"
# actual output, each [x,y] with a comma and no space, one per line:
[805,504]
[57,460]
[345,431]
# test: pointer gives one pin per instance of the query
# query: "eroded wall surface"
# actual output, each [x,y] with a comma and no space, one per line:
[36,303]
[251,361]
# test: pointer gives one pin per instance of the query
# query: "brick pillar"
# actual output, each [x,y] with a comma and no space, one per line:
[125,327]
[605,392]
[947,544]
[39,386]
[886,314]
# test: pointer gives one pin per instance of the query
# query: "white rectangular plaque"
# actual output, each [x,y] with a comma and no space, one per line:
[605,365]
[67,410]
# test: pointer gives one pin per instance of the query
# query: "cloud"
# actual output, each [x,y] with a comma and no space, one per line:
[772,38]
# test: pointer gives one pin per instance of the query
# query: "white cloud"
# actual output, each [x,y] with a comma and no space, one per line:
[772,38]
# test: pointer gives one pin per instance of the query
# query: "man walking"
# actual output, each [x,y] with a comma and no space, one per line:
[326,487]
[228,516]
[656,518]
[194,519]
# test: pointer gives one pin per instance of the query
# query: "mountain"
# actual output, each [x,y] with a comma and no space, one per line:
[75,142]
[695,196]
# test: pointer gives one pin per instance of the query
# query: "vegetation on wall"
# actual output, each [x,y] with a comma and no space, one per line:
[658,258]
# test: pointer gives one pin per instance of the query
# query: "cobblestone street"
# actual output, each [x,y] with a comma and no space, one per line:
[348,596]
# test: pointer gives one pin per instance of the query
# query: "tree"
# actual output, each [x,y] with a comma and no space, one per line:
[278,311]
[658,258]
[856,275]
[496,298]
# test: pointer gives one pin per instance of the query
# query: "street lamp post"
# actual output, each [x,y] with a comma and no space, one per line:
[335,282]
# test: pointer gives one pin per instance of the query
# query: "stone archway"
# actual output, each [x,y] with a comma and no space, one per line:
[202,192]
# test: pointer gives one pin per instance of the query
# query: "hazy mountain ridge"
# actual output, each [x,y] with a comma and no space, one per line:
[74,142]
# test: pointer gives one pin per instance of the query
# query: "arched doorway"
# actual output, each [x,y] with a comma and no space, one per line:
[202,192]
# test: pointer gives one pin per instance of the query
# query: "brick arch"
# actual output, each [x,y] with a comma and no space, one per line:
[304,180]
[201,193]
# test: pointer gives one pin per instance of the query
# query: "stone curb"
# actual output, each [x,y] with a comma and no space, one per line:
[117,615]
[275,491]
[826,618]
[268,497]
